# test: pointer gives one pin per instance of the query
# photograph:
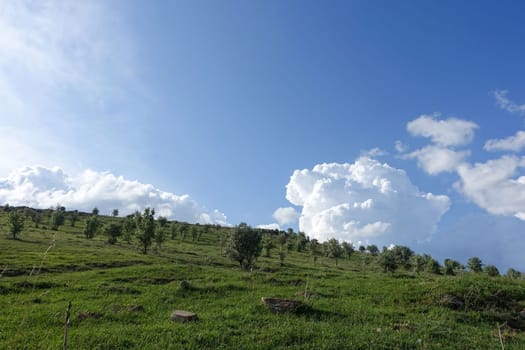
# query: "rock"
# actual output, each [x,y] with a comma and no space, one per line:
[451,301]
[278,305]
[183,316]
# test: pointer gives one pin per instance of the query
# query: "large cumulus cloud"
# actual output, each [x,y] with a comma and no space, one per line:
[42,187]
[365,201]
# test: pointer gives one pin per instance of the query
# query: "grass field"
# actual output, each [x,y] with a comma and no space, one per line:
[123,299]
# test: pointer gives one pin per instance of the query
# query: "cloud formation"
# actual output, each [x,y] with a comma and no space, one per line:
[364,201]
[505,103]
[447,132]
[42,187]
[495,185]
[285,216]
[512,143]
[437,159]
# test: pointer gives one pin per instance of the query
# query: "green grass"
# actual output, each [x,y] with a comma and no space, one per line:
[122,299]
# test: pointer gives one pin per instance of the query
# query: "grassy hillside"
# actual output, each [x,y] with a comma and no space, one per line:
[122,299]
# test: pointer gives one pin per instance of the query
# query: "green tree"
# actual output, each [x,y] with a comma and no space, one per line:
[450,266]
[433,266]
[268,244]
[335,251]
[145,226]
[475,264]
[15,222]
[95,211]
[173,230]
[373,249]
[491,270]
[112,232]
[244,246]
[162,220]
[114,213]
[418,263]
[73,217]
[301,242]
[348,249]
[313,248]
[403,255]
[129,228]
[160,237]
[513,274]
[36,218]
[58,217]
[388,261]
[92,226]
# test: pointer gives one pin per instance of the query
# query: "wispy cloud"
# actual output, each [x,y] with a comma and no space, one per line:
[505,103]
[512,143]
[444,132]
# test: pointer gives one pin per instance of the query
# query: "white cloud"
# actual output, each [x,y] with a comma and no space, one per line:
[437,159]
[364,201]
[512,143]
[286,216]
[374,152]
[42,187]
[505,103]
[448,132]
[495,185]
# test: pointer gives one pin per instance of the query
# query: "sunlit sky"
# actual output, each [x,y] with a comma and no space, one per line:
[369,121]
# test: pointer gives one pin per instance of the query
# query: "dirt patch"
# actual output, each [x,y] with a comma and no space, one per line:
[276,282]
[89,314]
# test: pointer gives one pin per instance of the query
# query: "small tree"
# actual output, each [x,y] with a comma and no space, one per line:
[474,264]
[244,246]
[160,238]
[268,245]
[93,224]
[492,270]
[301,241]
[15,222]
[387,260]
[112,232]
[282,255]
[373,249]
[433,266]
[95,211]
[173,230]
[114,213]
[162,220]
[335,251]
[36,218]
[513,274]
[73,217]
[418,263]
[128,229]
[348,249]
[313,248]
[451,266]
[145,225]
[403,255]
[58,217]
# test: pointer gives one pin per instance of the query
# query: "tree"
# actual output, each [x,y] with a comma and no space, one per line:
[450,266]
[387,260]
[433,266]
[313,248]
[36,218]
[491,270]
[335,251]
[403,255]
[373,249]
[93,224]
[513,274]
[418,263]
[58,217]
[474,264]
[128,228]
[145,226]
[15,222]
[114,213]
[73,217]
[160,237]
[95,211]
[348,248]
[113,231]
[162,220]
[301,241]
[173,230]
[244,246]
[268,245]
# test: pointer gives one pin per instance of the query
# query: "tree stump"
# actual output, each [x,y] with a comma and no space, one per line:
[278,305]
[183,316]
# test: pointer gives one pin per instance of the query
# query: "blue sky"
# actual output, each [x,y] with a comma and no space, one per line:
[216,105]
